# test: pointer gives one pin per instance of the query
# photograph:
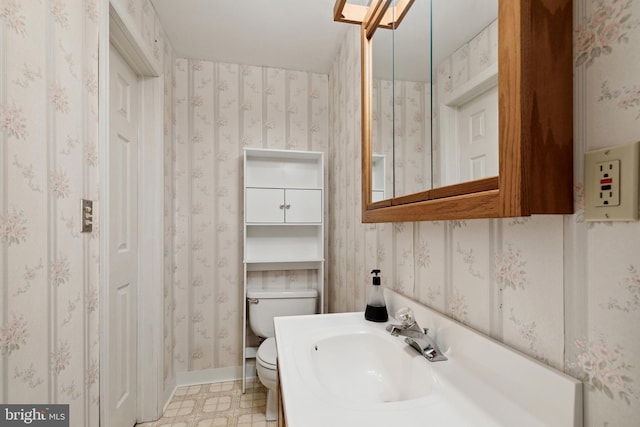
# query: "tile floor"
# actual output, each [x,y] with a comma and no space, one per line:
[216,405]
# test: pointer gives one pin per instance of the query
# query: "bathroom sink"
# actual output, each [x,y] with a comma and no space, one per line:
[341,370]
[369,367]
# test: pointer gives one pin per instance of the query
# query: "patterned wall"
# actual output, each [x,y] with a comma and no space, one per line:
[399,129]
[468,62]
[169,201]
[557,288]
[561,290]
[49,273]
[399,109]
[220,109]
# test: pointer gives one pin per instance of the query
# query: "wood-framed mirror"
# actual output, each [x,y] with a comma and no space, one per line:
[535,109]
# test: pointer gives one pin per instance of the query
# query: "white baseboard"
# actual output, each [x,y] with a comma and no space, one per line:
[169,391]
[207,376]
[217,375]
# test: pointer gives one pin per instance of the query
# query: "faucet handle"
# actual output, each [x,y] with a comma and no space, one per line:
[405,316]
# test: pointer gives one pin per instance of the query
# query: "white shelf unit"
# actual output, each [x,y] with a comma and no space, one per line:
[283,221]
[378,177]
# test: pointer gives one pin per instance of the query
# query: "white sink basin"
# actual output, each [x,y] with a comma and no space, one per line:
[369,367]
[341,370]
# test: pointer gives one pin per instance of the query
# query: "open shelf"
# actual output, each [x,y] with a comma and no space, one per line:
[280,264]
[279,243]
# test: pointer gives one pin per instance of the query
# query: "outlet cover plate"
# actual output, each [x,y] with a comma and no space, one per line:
[627,208]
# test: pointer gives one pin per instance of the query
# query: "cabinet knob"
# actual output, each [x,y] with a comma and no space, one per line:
[282,206]
[288,206]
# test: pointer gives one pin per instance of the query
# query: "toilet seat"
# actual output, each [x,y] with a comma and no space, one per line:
[267,354]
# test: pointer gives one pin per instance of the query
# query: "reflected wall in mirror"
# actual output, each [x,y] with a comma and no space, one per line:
[448,134]
[465,81]
[382,116]
[401,98]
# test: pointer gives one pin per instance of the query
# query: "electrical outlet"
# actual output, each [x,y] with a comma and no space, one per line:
[611,183]
[608,182]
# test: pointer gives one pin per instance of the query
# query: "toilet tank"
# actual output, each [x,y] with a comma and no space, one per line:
[264,305]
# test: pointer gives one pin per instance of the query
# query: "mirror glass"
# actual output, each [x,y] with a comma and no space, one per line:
[382,134]
[465,91]
[401,110]
[434,94]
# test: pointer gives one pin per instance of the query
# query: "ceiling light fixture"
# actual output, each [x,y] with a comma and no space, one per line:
[379,10]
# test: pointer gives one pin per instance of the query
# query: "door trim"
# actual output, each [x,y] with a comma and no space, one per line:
[118,29]
[448,107]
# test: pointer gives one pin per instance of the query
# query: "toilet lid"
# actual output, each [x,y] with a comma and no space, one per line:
[267,353]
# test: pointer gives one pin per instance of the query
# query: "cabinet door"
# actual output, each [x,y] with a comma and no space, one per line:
[303,206]
[265,205]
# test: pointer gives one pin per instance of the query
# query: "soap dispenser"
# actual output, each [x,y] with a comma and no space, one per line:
[376,308]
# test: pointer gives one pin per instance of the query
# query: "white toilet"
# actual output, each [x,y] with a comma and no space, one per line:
[264,305]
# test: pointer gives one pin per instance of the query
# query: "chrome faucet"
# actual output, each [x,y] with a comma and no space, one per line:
[415,336]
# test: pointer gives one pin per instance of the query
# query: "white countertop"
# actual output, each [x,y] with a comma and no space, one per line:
[484,383]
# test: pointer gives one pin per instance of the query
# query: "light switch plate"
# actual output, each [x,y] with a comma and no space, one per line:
[86,216]
[611,182]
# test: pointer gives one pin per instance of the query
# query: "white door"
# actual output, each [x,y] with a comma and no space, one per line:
[477,122]
[304,206]
[123,242]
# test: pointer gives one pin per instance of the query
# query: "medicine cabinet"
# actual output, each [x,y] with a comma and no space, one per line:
[535,117]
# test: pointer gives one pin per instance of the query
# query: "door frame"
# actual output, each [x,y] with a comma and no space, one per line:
[448,112]
[118,29]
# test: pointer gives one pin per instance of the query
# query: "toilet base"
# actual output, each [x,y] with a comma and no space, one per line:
[268,378]
[272,405]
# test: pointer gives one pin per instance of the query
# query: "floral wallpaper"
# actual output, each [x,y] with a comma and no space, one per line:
[406,104]
[467,61]
[169,211]
[561,290]
[49,272]
[606,28]
[557,288]
[221,109]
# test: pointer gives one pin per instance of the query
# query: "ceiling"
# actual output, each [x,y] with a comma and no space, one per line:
[301,34]
[290,34]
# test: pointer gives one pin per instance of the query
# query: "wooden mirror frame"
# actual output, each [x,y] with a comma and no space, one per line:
[535,110]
